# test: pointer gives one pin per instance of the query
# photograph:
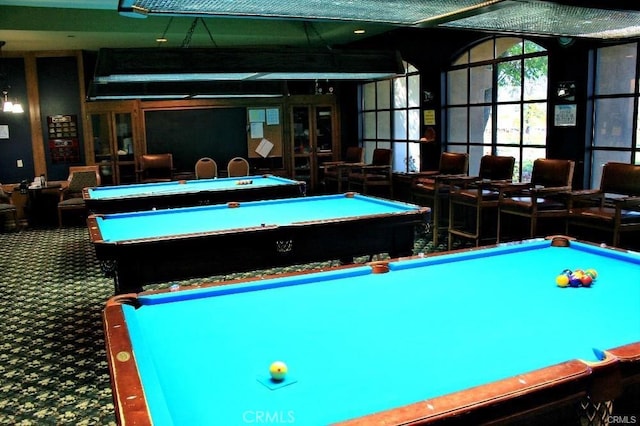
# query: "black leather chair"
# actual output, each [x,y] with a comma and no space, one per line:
[7,207]
[71,198]
[476,198]
[155,168]
[431,188]
[336,173]
[613,208]
[545,197]
[374,175]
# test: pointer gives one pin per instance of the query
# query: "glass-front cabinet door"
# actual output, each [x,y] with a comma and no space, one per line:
[324,122]
[113,135]
[314,139]
[302,148]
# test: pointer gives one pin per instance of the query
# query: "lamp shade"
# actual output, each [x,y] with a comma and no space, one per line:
[17,108]
[7,106]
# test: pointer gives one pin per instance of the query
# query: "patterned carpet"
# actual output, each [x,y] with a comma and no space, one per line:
[53,368]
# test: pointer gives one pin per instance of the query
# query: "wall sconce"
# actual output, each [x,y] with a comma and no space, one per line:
[7,105]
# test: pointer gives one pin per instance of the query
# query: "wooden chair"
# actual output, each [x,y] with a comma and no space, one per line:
[206,168]
[337,172]
[545,197]
[7,207]
[238,166]
[71,199]
[478,195]
[155,168]
[375,175]
[431,188]
[613,208]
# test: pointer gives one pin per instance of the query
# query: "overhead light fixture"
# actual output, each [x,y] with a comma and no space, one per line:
[405,12]
[7,104]
[178,73]
[185,90]
[163,37]
[603,20]
[179,65]
[567,19]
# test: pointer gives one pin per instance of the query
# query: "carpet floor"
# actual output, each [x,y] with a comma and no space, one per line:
[53,368]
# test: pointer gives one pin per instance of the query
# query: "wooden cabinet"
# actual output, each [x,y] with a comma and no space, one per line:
[114,135]
[307,129]
[314,137]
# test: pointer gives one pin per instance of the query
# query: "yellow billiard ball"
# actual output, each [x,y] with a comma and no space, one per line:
[562,280]
[278,370]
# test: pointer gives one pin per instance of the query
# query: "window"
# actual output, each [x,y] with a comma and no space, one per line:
[615,109]
[496,103]
[390,118]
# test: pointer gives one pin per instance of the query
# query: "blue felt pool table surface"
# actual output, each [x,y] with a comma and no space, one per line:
[179,187]
[254,214]
[358,343]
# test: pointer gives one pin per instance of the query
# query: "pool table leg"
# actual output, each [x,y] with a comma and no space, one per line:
[125,282]
[347,260]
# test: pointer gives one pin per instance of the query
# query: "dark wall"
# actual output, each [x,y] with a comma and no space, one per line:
[219,133]
[59,95]
[347,93]
[570,64]
[18,146]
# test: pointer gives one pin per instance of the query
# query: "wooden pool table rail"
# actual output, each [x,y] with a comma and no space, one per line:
[556,387]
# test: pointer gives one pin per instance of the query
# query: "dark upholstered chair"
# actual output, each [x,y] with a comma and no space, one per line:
[476,197]
[613,208]
[71,199]
[7,207]
[545,197]
[336,173]
[431,188]
[238,166]
[206,168]
[155,168]
[375,175]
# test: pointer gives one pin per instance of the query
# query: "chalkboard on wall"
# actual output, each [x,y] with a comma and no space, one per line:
[190,134]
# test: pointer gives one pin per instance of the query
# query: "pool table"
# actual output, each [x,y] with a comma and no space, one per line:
[147,247]
[186,193]
[464,337]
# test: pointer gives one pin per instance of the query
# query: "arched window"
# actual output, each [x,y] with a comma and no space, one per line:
[496,103]
[390,118]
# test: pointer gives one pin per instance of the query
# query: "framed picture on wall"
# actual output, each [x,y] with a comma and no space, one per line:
[565,115]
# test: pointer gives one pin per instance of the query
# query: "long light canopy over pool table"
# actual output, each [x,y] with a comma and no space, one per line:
[473,336]
[187,193]
[147,247]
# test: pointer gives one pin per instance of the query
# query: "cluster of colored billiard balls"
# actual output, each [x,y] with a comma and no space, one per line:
[577,278]
[244,182]
[278,371]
